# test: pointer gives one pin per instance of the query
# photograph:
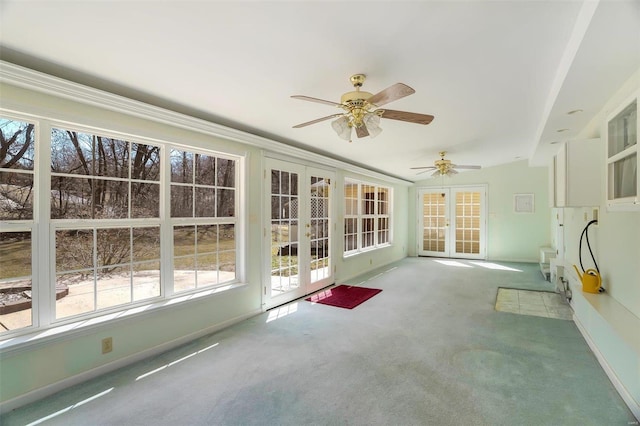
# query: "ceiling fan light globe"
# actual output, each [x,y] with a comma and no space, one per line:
[342,128]
[372,123]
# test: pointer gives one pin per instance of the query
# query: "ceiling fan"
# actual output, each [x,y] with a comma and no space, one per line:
[362,112]
[443,167]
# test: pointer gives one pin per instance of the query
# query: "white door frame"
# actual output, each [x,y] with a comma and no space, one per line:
[449,214]
[306,238]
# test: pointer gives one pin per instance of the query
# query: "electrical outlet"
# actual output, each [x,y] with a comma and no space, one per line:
[595,214]
[107,345]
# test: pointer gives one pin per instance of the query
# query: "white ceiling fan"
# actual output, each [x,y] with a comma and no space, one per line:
[443,167]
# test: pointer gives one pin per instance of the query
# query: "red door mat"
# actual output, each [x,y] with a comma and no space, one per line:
[344,296]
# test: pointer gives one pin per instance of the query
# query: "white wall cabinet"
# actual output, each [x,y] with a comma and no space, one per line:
[623,183]
[575,174]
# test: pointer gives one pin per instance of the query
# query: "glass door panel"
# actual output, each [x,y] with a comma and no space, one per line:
[452,222]
[284,231]
[434,223]
[319,255]
[299,231]
[467,222]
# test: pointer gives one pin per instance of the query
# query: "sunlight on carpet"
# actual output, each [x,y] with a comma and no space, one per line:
[536,303]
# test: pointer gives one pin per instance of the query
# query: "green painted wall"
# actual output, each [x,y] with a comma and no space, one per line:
[511,236]
[33,370]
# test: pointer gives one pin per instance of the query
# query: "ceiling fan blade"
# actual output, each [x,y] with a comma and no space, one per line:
[427,167]
[466,167]
[391,93]
[320,101]
[362,132]
[424,171]
[317,120]
[411,117]
[436,173]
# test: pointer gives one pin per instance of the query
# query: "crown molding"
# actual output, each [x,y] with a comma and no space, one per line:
[37,81]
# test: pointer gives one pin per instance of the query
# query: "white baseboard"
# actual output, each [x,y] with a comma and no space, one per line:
[48,390]
[633,405]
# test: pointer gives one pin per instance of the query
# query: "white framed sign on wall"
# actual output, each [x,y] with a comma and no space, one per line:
[523,203]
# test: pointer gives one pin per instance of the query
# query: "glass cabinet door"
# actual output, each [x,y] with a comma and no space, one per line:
[622,158]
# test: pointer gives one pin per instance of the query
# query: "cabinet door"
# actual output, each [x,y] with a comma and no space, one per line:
[623,180]
[577,177]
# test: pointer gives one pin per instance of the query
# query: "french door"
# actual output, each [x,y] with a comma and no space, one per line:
[299,231]
[452,222]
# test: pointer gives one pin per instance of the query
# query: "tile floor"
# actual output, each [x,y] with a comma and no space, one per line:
[529,302]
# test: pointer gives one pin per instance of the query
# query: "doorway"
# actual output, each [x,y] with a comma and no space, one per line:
[299,231]
[452,222]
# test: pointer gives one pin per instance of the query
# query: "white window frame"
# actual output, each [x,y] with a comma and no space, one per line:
[43,228]
[359,216]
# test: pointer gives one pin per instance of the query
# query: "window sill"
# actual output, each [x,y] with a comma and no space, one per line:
[55,333]
[363,251]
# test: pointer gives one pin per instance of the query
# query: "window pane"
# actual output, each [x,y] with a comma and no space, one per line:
[226,173]
[205,202]
[181,201]
[74,250]
[207,239]
[184,240]
[15,278]
[16,196]
[71,198]
[113,247]
[227,266]
[181,166]
[111,158]
[205,170]
[145,162]
[227,237]
[184,273]
[146,280]
[146,244]
[71,152]
[113,287]
[110,199]
[16,140]
[285,184]
[207,269]
[226,203]
[625,177]
[145,200]
[81,294]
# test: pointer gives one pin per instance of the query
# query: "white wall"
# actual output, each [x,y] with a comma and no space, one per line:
[511,236]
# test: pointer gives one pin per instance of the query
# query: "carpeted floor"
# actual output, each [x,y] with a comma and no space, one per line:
[429,350]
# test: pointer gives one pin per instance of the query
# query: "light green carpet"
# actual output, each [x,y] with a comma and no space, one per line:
[429,350]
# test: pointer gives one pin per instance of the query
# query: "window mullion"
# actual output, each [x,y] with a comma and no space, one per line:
[44,294]
[166,225]
[360,227]
[376,208]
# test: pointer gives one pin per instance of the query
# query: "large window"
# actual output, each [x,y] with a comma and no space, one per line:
[106,207]
[203,197]
[367,216]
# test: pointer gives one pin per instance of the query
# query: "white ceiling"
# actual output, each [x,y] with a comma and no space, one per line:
[499,76]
